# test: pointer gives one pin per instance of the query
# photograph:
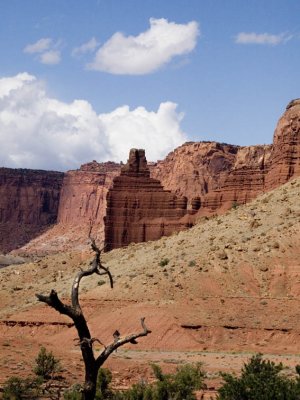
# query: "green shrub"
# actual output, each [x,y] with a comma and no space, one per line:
[164,262]
[187,379]
[178,386]
[260,380]
[181,385]
[138,391]
[16,388]
[46,364]
[103,381]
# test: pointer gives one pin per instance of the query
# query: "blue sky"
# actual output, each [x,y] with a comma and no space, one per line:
[151,73]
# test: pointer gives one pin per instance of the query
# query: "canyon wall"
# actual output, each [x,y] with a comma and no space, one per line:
[29,202]
[216,174]
[83,196]
[212,176]
[81,210]
[220,175]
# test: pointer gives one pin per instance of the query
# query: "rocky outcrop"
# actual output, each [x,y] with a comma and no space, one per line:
[28,203]
[138,208]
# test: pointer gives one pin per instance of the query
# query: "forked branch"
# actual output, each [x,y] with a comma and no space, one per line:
[120,342]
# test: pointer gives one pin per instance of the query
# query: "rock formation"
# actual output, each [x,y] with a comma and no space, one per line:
[212,176]
[28,203]
[138,208]
[285,156]
[219,175]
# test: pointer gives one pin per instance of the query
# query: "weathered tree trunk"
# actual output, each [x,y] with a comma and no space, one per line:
[86,341]
[89,389]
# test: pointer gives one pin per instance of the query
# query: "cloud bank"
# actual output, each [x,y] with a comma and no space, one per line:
[147,52]
[261,38]
[37,131]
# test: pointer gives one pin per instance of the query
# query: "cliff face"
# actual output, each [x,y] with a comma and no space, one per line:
[138,208]
[212,176]
[219,175]
[285,156]
[83,197]
[28,203]
[242,183]
[195,169]
[215,173]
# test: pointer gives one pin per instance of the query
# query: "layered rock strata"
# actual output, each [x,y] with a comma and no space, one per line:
[83,197]
[29,202]
[240,184]
[212,176]
[139,209]
[81,210]
[285,155]
[219,175]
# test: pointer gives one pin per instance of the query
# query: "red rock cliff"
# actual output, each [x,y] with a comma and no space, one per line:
[28,203]
[218,175]
[138,208]
[285,156]
[83,196]
[214,173]
[211,175]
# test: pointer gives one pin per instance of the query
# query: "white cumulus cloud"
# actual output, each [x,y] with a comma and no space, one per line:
[87,47]
[37,131]
[39,46]
[147,52]
[158,131]
[261,38]
[14,82]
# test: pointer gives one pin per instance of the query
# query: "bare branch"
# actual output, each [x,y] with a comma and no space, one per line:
[76,282]
[120,342]
[106,272]
[99,264]
[96,266]
[53,301]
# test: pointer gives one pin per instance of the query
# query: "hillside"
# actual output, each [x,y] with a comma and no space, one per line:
[226,287]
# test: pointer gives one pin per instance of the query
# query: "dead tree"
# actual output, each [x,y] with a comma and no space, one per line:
[86,341]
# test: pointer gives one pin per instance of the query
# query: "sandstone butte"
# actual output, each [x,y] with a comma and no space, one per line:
[211,176]
[138,208]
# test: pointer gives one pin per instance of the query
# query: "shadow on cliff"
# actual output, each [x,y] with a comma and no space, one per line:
[16,236]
